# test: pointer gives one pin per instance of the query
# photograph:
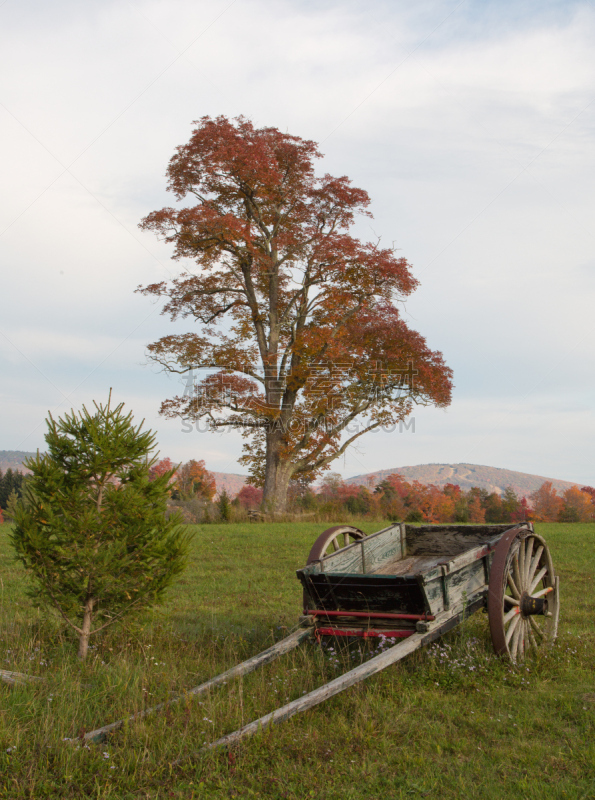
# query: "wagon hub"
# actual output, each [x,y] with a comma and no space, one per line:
[531,606]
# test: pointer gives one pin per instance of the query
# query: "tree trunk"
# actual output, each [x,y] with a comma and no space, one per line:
[277,476]
[86,629]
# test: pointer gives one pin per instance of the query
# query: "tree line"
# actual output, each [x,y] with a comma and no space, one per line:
[193,491]
[398,499]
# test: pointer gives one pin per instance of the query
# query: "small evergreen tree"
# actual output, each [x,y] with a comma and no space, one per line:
[11,481]
[224,506]
[92,527]
[12,505]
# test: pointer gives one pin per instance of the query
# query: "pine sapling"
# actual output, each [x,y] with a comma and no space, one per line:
[92,529]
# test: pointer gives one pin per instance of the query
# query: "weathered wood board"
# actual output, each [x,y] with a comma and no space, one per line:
[382,547]
[449,540]
[366,555]
[381,593]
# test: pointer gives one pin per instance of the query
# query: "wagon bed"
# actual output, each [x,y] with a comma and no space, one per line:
[404,572]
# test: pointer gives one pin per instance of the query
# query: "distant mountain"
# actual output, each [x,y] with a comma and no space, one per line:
[494,479]
[13,459]
[232,483]
[229,481]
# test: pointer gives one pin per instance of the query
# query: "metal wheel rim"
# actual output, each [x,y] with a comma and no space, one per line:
[329,537]
[522,570]
[336,537]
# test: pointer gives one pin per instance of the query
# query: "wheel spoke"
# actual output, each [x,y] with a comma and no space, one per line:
[513,586]
[515,641]
[520,653]
[511,628]
[536,627]
[532,639]
[517,574]
[508,598]
[537,579]
[547,590]
[521,565]
[335,544]
[528,553]
[522,641]
[512,613]
[534,564]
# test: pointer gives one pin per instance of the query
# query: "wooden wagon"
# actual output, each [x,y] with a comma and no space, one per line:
[425,578]
[410,584]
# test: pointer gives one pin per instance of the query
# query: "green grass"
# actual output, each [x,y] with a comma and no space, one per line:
[451,721]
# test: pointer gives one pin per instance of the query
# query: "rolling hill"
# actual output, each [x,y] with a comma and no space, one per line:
[494,479]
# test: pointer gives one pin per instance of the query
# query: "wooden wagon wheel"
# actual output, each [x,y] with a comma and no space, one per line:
[334,539]
[524,595]
[330,541]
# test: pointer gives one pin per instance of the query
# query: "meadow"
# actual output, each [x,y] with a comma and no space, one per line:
[450,721]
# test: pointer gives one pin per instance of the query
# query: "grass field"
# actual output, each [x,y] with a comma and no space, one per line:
[451,721]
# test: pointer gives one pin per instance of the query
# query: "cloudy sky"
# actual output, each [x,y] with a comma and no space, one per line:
[471,124]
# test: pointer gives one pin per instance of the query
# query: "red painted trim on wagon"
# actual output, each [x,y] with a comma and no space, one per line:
[369,615]
[364,634]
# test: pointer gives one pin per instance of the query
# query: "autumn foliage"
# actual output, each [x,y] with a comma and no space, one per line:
[297,319]
[193,478]
[249,497]
[193,493]
[398,499]
[574,505]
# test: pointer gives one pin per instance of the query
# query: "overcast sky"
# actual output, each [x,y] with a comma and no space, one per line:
[471,124]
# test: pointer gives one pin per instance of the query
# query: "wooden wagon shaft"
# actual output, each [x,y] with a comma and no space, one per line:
[13,678]
[371,667]
[284,646]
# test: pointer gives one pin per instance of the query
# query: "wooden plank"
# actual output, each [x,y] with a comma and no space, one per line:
[15,678]
[382,548]
[284,646]
[451,540]
[466,582]
[433,591]
[385,593]
[367,554]
[310,569]
[410,565]
[473,554]
[465,575]
[347,559]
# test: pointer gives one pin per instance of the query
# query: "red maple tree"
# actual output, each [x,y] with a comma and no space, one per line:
[160,468]
[249,496]
[298,317]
